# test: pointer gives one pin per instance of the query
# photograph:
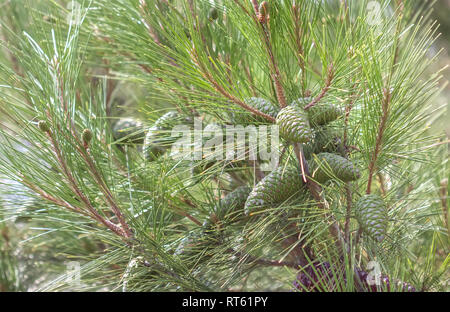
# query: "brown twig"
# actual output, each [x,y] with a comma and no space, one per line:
[187,215]
[105,190]
[377,151]
[56,201]
[348,109]
[82,148]
[183,213]
[379,139]
[300,53]
[74,186]
[207,75]
[276,76]
[255,6]
[275,72]
[325,89]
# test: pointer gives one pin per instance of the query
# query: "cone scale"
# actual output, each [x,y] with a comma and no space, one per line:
[276,187]
[371,213]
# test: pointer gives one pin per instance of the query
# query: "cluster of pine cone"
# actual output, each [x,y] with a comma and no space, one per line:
[326,159]
[325,155]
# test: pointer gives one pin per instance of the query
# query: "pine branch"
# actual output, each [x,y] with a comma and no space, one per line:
[300,52]
[261,19]
[379,139]
[206,74]
[324,91]
[54,200]
[73,184]
[84,152]
[255,6]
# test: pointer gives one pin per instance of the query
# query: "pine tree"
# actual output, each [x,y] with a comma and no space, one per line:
[88,89]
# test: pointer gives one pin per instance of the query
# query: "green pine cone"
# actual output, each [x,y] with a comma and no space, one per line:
[326,140]
[186,243]
[294,125]
[128,130]
[154,144]
[263,105]
[158,138]
[327,166]
[321,113]
[276,187]
[371,213]
[198,247]
[167,121]
[233,201]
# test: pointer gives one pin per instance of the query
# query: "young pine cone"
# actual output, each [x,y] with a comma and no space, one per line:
[321,113]
[327,166]
[158,138]
[276,187]
[233,201]
[294,125]
[262,105]
[371,213]
[326,140]
[128,130]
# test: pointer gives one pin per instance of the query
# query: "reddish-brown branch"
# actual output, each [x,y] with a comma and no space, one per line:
[88,159]
[183,213]
[275,72]
[348,109]
[298,36]
[104,188]
[379,139]
[255,6]
[74,186]
[207,75]
[377,151]
[263,12]
[56,201]
[325,89]
[276,76]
